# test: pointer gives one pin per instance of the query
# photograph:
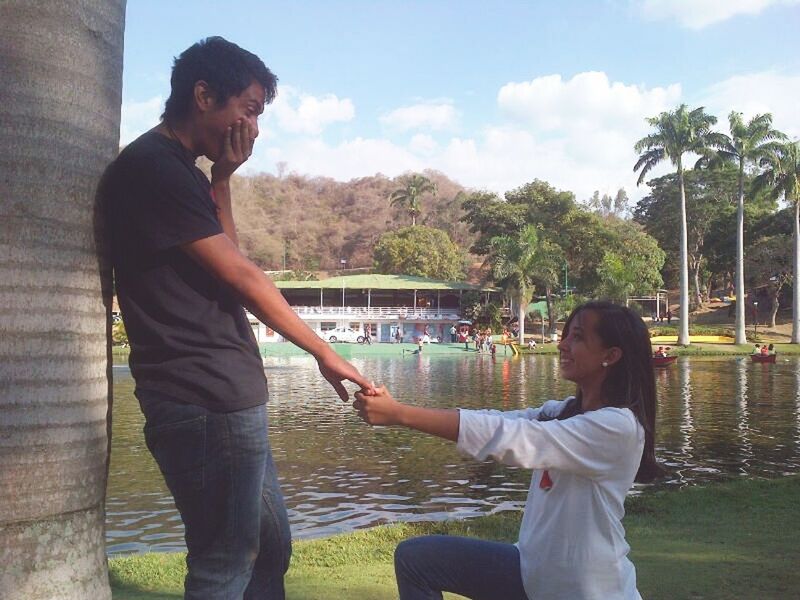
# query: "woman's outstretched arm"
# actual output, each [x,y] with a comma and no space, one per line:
[382,409]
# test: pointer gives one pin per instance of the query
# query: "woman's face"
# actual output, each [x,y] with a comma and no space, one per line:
[582,352]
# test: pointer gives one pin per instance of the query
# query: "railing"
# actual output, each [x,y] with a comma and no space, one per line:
[377,312]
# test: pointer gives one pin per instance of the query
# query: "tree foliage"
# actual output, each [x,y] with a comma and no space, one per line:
[421,251]
[581,235]
[521,262]
[414,187]
[711,223]
[119,335]
[316,221]
[296,275]
[676,134]
[781,177]
[781,174]
[607,206]
[629,271]
[748,143]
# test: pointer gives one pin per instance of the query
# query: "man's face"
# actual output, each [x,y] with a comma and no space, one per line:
[246,107]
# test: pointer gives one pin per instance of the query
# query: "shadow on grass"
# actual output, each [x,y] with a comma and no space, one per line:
[124,591]
[147,576]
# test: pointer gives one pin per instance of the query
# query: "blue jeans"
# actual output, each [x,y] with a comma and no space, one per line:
[427,566]
[219,469]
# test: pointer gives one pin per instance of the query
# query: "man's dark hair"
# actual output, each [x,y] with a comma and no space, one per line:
[225,67]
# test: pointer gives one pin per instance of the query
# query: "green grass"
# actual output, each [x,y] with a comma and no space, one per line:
[694,329]
[733,540]
[704,349]
[120,351]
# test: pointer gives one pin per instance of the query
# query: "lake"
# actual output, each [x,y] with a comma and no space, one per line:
[719,418]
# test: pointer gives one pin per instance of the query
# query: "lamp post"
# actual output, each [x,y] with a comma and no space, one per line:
[343,262]
[755,316]
[566,281]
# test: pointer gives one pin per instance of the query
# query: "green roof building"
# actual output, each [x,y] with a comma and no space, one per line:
[389,307]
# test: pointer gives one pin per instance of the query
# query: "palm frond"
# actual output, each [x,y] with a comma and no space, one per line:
[647,162]
[648,142]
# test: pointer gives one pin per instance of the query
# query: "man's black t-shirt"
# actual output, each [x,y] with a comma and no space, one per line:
[190,339]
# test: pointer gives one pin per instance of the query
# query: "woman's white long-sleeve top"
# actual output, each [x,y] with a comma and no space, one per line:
[571,542]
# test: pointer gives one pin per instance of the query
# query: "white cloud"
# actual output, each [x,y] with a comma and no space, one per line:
[423,144]
[352,158]
[138,117]
[754,93]
[696,14]
[297,112]
[436,116]
[587,101]
[577,134]
[506,157]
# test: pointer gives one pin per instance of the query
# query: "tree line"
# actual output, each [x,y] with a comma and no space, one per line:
[751,149]
[689,231]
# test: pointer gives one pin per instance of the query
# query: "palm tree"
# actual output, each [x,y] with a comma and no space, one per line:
[522,261]
[60,97]
[748,143]
[678,132]
[782,174]
[414,186]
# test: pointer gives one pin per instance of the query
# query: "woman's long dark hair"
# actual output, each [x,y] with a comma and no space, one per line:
[630,382]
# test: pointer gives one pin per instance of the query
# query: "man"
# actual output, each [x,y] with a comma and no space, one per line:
[453,332]
[181,282]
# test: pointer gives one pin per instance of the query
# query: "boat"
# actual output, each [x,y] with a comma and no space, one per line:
[763,358]
[663,361]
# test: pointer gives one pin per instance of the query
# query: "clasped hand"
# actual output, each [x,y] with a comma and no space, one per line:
[378,407]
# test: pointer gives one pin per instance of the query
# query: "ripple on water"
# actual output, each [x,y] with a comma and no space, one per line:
[718,419]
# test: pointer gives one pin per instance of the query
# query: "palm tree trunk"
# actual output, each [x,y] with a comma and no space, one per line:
[775,306]
[523,304]
[741,337]
[61,73]
[698,296]
[709,286]
[551,318]
[683,331]
[695,264]
[796,275]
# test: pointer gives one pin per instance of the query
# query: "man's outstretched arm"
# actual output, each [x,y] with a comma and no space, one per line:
[219,256]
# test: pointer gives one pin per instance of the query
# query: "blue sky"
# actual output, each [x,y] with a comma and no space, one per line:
[491,94]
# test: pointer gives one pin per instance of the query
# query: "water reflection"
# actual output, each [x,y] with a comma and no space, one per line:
[797,404]
[743,422]
[718,418]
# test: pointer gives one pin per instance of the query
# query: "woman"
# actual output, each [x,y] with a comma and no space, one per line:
[586,451]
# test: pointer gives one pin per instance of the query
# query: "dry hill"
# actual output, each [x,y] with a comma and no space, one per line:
[318,220]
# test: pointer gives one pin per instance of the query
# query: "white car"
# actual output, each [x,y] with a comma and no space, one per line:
[342,334]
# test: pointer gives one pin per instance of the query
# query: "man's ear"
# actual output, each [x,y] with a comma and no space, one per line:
[613,355]
[204,98]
